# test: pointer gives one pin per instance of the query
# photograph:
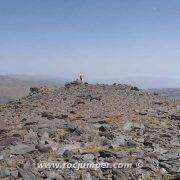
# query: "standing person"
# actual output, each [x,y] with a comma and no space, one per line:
[81,78]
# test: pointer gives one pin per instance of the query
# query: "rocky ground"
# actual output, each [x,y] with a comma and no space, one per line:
[90,123]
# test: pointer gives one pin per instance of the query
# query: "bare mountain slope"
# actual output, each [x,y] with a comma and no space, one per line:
[90,124]
[13,88]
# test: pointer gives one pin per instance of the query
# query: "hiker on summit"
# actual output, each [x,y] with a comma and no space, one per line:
[80,78]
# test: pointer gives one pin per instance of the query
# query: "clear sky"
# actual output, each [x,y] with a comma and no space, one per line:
[100,38]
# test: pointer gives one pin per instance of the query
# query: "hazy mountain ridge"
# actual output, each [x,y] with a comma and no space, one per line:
[169,92]
[145,82]
[15,87]
[50,79]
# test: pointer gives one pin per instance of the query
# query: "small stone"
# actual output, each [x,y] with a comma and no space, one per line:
[64,116]
[163,170]
[68,154]
[158,102]
[102,129]
[88,157]
[138,126]
[86,176]
[69,147]
[53,175]
[128,126]
[14,174]
[131,143]
[48,115]
[141,112]
[43,148]
[34,90]
[1,157]
[134,88]
[118,141]
[106,154]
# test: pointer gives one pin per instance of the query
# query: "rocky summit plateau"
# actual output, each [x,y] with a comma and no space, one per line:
[88,123]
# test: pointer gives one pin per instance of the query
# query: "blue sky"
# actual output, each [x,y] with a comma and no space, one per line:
[103,39]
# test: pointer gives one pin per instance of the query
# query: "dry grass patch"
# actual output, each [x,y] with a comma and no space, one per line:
[95,149]
[59,135]
[118,120]
[91,149]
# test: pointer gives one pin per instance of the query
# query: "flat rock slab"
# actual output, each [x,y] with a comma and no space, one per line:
[22,149]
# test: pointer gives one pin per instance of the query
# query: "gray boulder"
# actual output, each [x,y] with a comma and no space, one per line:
[22,149]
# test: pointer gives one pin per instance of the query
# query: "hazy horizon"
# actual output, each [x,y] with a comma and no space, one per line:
[104,40]
[141,82]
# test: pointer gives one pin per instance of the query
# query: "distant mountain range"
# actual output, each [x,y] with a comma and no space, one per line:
[47,79]
[13,87]
[144,82]
[169,92]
